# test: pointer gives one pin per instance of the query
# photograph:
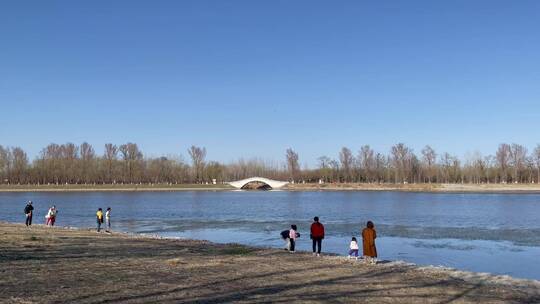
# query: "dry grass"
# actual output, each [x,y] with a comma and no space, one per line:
[54,265]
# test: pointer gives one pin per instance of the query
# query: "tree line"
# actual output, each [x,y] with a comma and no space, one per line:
[126,164]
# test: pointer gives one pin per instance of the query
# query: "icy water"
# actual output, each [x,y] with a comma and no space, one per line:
[496,233]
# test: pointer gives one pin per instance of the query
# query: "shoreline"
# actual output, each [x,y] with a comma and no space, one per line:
[140,268]
[416,188]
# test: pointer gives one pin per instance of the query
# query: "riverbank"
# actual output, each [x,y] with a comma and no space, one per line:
[431,188]
[44,265]
[116,187]
[457,188]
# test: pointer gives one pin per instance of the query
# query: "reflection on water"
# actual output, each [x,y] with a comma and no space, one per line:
[498,233]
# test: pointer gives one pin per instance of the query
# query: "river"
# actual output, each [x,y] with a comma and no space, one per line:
[496,233]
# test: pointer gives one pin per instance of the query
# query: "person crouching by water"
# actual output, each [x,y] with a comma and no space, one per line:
[285,236]
[51,216]
[293,235]
[317,235]
[99,218]
[368,238]
[108,219]
[29,211]
[353,248]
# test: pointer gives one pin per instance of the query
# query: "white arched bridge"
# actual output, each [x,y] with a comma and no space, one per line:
[274,184]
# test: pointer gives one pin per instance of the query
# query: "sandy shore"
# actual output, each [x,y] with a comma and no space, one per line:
[55,265]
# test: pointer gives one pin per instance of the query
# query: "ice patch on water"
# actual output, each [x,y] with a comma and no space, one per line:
[481,277]
[443,245]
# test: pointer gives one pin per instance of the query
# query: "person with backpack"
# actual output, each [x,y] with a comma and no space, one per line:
[317,235]
[29,211]
[99,218]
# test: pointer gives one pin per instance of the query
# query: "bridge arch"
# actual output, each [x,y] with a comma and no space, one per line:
[273,184]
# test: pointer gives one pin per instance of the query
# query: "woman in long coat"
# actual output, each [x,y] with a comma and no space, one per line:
[368,239]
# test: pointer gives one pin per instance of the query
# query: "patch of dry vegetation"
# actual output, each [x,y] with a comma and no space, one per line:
[54,265]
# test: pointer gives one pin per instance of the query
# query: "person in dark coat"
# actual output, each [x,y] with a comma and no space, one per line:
[29,212]
[368,238]
[317,235]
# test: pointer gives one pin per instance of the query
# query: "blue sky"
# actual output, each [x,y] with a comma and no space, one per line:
[252,78]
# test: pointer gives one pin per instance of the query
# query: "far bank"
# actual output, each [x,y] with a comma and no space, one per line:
[429,188]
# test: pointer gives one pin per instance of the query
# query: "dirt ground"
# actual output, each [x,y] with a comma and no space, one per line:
[58,265]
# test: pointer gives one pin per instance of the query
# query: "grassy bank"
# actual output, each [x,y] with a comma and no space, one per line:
[55,265]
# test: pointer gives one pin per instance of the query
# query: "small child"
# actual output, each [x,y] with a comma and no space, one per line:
[353,248]
[292,238]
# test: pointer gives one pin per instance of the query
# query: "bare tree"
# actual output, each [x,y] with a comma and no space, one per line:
[20,165]
[346,160]
[325,170]
[198,156]
[132,158]
[292,164]
[215,171]
[429,158]
[110,156]
[503,159]
[367,163]
[536,157]
[4,164]
[87,158]
[401,156]
[518,159]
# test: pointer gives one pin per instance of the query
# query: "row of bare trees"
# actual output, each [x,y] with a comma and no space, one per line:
[126,164]
[511,164]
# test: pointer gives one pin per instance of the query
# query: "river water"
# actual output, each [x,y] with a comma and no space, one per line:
[496,233]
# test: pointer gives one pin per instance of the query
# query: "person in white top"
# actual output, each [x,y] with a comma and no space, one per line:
[51,216]
[353,248]
[108,219]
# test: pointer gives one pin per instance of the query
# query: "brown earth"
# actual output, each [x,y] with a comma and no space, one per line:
[56,265]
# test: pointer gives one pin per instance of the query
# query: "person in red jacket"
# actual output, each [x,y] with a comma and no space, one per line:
[317,235]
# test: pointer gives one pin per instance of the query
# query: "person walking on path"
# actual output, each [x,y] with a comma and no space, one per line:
[317,235]
[29,212]
[293,234]
[108,219]
[368,238]
[51,216]
[353,248]
[99,219]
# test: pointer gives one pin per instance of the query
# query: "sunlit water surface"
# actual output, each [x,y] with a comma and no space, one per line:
[497,233]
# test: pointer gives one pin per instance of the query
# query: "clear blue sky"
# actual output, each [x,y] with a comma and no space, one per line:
[251,78]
